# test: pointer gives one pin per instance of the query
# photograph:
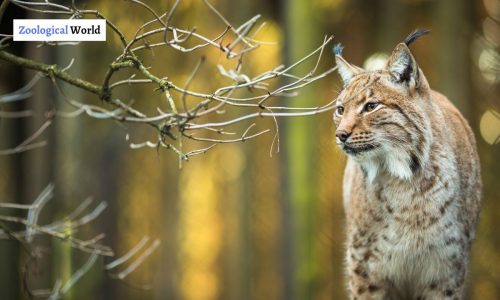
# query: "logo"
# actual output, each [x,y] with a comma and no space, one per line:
[50,30]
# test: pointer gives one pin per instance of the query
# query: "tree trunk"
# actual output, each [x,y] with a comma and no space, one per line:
[299,147]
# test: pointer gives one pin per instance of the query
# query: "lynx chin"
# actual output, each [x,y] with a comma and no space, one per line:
[412,186]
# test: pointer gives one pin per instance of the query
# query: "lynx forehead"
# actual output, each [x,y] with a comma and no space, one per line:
[412,187]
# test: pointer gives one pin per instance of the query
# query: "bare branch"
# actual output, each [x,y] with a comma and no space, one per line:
[74,242]
[16,114]
[127,255]
[188,83]
[136,263]
[22,93]
[51,70]
[26,144]
[187,128]
[247,97]
[59,291]
[35,210]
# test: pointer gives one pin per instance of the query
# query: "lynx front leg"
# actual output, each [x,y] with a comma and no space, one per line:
[450,289]
[443,291]
[363,282]
[362,286]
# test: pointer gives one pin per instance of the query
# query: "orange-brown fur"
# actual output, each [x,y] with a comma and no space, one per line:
[412,187]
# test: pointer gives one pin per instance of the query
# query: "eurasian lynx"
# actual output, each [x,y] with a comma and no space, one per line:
[412,186]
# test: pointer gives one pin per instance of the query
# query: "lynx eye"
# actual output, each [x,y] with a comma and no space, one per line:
[339,111]
[371,106]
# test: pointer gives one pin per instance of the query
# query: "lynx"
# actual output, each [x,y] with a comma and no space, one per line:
[412,186]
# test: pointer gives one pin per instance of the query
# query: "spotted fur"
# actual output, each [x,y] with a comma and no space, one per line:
[412,186]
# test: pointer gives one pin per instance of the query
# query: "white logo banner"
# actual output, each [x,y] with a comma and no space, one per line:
[51,30]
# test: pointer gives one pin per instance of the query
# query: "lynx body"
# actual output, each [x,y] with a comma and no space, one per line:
[412,187]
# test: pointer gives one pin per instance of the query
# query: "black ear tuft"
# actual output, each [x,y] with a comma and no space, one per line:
[415,35]
[402,65]
[337,49]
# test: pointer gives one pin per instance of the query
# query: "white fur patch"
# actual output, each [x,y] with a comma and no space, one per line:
[345,70]
[345,73]
[371,168]
[397,164]
[399,66]
[394,161]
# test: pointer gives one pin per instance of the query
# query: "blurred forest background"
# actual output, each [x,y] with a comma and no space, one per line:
[237,223]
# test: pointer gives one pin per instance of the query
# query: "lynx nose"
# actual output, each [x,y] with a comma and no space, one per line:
[343,135]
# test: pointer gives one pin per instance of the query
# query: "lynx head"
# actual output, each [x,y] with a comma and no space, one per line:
[380,115]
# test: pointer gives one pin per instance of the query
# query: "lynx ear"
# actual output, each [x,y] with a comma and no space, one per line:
[346,70]
[403,66]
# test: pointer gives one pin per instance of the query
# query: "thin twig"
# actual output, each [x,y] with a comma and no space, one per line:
[139,260]
[35,210]
[27,143]
[127,255]
[59,291]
